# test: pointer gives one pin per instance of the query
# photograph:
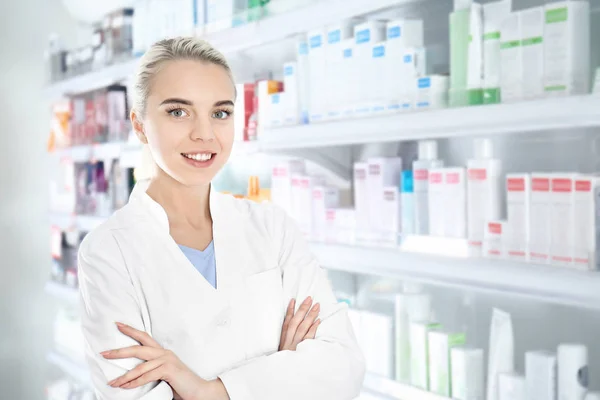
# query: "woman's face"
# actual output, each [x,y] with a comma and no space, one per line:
[189,120]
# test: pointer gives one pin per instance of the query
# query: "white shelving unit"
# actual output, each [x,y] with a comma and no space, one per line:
[75,370]
[83,223]
[62,292]
[397,390]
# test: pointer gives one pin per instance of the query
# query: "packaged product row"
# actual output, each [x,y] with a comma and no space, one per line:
[359,68]
[99,116]
[64,248]
[549,218]
[464,347]
[128,32]
[90,188]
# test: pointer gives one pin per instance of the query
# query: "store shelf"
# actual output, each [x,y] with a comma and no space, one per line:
[397,390]
[314,15]
[529,116]
[72,368]
[63,292]
[83,223]
[441,263]
[100,151]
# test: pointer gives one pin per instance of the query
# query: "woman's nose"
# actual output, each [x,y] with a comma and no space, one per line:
[202,130]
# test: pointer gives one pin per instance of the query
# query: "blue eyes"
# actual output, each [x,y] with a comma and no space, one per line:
[221,114]
[181,113]
[178,113]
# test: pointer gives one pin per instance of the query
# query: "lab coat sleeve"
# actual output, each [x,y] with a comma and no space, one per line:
[107,296]
[331,366]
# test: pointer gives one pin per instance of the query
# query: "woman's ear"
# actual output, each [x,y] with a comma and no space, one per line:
[138,127]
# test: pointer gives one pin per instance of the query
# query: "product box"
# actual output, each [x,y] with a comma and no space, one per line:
[391,216]
[376,342]
[291,104]
[440,345]
[494,14]
[243,109]
[540,373]
[572,361]
[317,42]
[382,172]
[459,55]
[586,223]
[324,198]
[532,43]
[467,373]
[366,35]
[225,14]
[348,71]
[455,202]
[495,239]
[281,183]
[475,56]
[361,200]
[276,109]
[432,92]
[567,48]
[437,202]
[302,200]
[562,191]
[340,225]
[419,353]
[511,59]
[118,123]
[263,104]
[379,66]
[303,72]
[405,32]
[518,198]
[511,387]
[539,219]
[484,201]
[427,160]
[337,37]
[407,200]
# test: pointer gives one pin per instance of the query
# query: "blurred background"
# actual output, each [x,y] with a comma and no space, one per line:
[441,156]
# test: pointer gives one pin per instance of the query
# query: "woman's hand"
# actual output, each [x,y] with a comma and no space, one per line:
[300,326]
[161,365]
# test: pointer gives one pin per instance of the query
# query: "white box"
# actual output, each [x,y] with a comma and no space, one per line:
[324,198]
[341,225]
[572,371]
[567,48]
[365,35]
[274,111]
[390,215]
[348,73]
[561,219]
[532,42]
[378,95]
[317,65]
[303,72]
[281,183]
[494,239]
[376,342]
[419,352]
[437,202]
[540,375]
[539,219]
[467,373]
[335,81]
[511,387]
[291,111]
[455,202]
[440,345]
[518,197]
[361,199]
[406,32]
[586,220]
[382,172]
[432,92]
[511,59]
[302,200]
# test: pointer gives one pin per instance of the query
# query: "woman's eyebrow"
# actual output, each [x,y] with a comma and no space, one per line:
[175,100]
[223,103]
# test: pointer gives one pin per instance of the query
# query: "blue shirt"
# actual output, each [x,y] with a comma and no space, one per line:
[203,261]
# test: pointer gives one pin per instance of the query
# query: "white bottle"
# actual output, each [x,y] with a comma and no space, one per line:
[407,199]
[427,160]
[483,192]
[572,371]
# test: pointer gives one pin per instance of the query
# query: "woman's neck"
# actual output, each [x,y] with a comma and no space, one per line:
[187,205]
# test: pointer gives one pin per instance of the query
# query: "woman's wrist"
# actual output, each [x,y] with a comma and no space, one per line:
[214,390]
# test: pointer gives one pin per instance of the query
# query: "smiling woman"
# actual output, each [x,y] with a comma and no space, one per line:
[191,294]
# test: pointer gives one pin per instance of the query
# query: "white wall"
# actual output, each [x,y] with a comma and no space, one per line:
[25,311]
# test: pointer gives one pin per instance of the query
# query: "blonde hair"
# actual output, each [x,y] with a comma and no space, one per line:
[161,52]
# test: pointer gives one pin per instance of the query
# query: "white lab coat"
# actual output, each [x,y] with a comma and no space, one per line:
[132,271]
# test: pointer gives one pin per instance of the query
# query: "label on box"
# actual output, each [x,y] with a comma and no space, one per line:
[363,36]
[394,32]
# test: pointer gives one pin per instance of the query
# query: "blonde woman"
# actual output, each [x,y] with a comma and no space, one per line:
[192,294]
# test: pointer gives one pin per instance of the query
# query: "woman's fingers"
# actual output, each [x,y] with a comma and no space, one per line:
[136,372]
[296,321]
[142,337]
[154,375]
[305,325]
[286,323]
[312,332]
[141,352]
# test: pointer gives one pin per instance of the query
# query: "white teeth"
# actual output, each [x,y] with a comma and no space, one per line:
[199,156]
